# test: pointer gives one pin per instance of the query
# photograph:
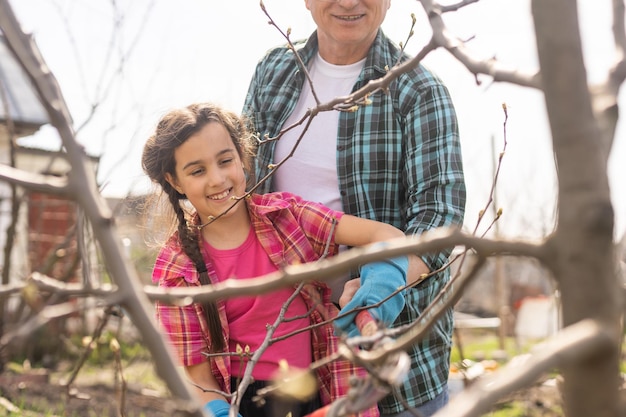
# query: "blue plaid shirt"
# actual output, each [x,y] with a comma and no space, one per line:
[398,162]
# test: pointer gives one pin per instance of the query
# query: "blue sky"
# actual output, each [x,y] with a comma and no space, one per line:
[147,56]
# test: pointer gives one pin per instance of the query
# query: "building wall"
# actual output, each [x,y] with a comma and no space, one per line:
[44,221]
[51,227]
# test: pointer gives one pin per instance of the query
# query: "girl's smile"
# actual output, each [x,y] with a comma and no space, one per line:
[221,196]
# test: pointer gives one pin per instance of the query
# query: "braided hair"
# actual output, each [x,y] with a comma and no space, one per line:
[158,160]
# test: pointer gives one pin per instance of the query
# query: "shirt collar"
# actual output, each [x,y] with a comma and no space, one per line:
[378,61]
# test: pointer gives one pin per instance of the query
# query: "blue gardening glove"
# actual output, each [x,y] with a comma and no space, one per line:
[378,281]
[218,408]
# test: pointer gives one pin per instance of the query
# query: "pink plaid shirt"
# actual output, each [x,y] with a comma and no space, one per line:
[292,231]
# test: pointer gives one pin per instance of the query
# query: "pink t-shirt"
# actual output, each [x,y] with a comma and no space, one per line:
[249,315]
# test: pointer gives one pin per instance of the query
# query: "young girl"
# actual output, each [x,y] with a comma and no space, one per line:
[201,158]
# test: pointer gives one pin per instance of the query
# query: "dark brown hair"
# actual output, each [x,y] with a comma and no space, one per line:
[157,160]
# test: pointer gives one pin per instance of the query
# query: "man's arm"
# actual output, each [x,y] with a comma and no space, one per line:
[434,171]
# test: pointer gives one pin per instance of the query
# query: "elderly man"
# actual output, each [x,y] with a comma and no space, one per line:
[395,160]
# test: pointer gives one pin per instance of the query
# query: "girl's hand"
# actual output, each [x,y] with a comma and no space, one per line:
[349,289]
[218,408]
[379,280]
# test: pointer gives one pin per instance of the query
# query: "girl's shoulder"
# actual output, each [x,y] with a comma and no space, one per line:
[285,205]
[276,201]
[172,264]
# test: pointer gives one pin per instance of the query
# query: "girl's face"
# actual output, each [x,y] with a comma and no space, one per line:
[209,172]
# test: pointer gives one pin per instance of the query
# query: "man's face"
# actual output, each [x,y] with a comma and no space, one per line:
[347,27]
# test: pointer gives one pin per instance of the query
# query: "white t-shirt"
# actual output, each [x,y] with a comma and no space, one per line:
[311,171]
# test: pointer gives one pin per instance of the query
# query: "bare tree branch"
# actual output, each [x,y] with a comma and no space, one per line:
[579,342]
[443,38]
[342,263]
[82,178]
[46,283]
[35,182]
[618,73]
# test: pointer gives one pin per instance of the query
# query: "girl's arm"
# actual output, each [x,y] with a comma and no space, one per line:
[202,380]
[356,231]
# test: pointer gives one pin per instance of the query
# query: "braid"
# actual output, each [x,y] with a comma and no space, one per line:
[190,244]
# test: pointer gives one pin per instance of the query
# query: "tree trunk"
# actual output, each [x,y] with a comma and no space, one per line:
[582,246]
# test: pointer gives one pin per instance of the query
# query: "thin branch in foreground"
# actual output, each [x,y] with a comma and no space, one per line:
[492,191]
[291,46]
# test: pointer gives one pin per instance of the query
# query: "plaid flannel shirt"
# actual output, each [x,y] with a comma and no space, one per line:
[291,231]
[398,162]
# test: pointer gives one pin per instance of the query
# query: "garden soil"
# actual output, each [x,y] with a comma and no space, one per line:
[39,394]
[36,394]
